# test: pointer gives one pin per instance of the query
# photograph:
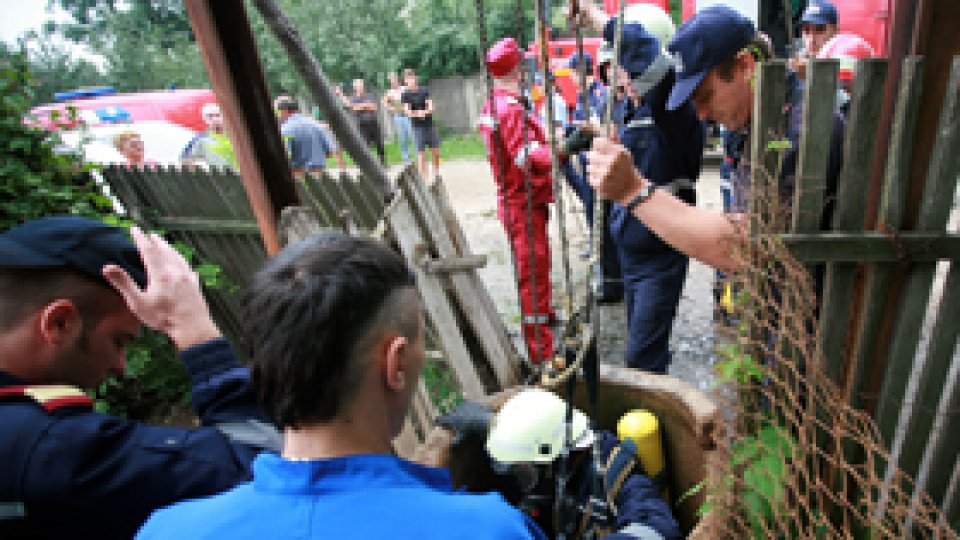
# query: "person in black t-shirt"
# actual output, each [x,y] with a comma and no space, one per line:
[419,107]
[364,107]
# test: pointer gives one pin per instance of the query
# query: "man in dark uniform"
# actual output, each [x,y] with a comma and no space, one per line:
[611,289]
[518,154]
[667,147]
[716,54]
[73,293]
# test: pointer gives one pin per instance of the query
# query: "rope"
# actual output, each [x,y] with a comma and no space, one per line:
[544,39]
[528,187]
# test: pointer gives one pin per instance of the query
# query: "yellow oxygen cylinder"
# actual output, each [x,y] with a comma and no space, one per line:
[642,427]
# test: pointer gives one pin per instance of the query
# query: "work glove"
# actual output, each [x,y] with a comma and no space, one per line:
[467,419]
[578,141]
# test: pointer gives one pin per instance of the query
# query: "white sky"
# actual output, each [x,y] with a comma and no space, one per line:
[20,16]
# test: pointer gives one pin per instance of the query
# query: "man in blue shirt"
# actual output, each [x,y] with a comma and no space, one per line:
[337,336]
[73,293]
[308,144]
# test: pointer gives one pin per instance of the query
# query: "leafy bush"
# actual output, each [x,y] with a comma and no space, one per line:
[34,179]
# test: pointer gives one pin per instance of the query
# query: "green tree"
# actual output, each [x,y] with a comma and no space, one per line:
[55,68]
[145,44]
[34,179]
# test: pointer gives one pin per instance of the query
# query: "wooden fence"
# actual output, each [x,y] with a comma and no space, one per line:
[210,212]
[870,359]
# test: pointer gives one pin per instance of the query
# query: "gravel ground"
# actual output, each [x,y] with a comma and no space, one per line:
[473,197]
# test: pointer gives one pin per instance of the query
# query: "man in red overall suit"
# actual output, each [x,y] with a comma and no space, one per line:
[514,157]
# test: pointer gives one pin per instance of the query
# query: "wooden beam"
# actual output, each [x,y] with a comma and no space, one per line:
[841,285]
[814,152]
[940,185]
[233,63]
[872,247]
[875,330]
[207,225]
[453,264]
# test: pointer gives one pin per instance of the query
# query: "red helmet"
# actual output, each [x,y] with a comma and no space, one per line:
[847,48]
[503,57]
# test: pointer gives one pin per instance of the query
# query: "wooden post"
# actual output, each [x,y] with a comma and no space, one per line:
[937,199]
[858,152]
[233,63]
[875,328]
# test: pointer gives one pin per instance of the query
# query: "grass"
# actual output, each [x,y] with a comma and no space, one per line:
[461,146]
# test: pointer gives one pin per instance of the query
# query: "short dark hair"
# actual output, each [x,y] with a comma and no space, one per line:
[759,47]
[312,313]
[287,103]
[24,290]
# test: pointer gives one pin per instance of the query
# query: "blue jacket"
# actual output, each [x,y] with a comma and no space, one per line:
[76,473]
[665,145]
[362,496]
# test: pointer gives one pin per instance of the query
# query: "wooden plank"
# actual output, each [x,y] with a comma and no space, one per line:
[858,154]
[371,214]
[207,225]
[873,247]
[867,364]
[329,214]
[242,93]
[465,287]
[454,264]
[814,153]
[405,444]
[933,378]
[768,126]
[462,246]
[406,232]
[941,184]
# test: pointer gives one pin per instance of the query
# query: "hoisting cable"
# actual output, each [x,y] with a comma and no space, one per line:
[543,37]
[597,509]
[536,318]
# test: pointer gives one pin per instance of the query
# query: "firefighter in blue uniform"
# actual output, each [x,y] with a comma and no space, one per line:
[69,471]
[611,290]
[667,148]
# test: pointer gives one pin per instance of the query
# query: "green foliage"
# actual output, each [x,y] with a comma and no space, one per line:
[34,179]
[764,460]
[442,387]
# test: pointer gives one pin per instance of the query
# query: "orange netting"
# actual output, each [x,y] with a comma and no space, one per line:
[796,460]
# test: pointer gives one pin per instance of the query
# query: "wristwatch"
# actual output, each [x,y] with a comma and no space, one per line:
[645,193]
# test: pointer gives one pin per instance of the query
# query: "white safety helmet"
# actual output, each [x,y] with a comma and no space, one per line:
[604,54]
[530,427]
[653,19]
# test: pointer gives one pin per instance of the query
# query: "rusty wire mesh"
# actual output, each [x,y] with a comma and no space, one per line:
[796,461]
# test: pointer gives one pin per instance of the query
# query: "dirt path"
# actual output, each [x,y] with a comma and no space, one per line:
[472,191]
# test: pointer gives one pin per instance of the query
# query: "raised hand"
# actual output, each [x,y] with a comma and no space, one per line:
[172,302]
[610,170]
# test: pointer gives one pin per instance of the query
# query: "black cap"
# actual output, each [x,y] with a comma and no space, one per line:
[73,242]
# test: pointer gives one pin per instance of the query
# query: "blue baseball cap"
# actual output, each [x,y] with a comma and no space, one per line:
[711,36]
[821,12]
[80,244]
[574,61]
[640,55]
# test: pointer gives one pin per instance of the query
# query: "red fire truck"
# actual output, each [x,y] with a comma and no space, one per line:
[869,19]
